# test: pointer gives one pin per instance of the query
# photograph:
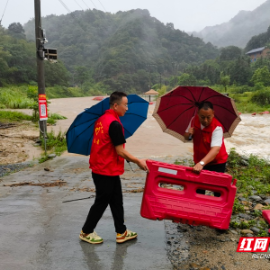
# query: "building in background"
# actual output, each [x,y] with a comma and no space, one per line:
[255,54]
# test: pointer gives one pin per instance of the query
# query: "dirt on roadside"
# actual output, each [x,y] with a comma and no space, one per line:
[17,142]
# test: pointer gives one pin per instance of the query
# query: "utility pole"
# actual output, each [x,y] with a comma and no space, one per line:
[40,40]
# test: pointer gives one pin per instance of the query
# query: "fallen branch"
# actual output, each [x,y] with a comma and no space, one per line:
[18,136]
[54,184]
[5,136]
[10,126]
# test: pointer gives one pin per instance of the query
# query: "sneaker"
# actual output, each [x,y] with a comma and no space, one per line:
[91,238]
[127,235]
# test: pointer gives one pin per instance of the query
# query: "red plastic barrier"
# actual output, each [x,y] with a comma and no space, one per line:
[187,206]
[266,215]
[98,98]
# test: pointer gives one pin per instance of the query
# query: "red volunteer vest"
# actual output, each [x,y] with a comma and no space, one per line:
[202,142]
[103,157]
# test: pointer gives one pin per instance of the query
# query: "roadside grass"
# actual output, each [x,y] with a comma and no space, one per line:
[252,174]
[244,97]
[53,117]
[10,116]
[15,97]
[253,178]
[55,143]
[244,103]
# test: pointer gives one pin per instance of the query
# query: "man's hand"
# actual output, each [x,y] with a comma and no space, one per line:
[142,164]
[121,151]
[191,130]
[197,168]
[188,135]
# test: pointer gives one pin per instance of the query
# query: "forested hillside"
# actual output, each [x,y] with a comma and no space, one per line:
[239,30]
[258,41]
[123,51]
[232,68]
[18,60]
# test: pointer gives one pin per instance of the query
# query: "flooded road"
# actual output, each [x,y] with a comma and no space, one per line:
[252,135]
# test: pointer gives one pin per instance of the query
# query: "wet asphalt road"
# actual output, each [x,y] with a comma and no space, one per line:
[38,231]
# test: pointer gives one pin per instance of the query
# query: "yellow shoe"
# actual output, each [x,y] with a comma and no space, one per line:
[91,238]
[127,235]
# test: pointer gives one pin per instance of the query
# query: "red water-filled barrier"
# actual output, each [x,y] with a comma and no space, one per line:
[266,215]
[171,193]
[98,98]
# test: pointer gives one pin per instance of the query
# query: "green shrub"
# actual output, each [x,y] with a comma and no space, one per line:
[57,143]
[57,116]
[259,86]
[261,97]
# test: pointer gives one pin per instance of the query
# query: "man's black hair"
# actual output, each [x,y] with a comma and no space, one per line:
[206,105]
[116,97]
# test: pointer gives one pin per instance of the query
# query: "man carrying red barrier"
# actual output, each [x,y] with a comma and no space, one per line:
[107,163]
[208,142]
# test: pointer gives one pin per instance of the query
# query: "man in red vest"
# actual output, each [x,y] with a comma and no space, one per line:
[208,142]
[107,163]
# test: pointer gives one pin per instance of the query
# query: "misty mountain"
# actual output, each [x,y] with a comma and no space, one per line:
[259,41]
[127,48]
[239,30]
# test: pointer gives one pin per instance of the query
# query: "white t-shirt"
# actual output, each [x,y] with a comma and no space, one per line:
[217,134]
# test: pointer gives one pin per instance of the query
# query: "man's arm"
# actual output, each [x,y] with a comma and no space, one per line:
[189,133]
[208,158]
[121,151]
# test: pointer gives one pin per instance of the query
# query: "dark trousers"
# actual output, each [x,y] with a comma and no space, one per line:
[214,168]
[108,192]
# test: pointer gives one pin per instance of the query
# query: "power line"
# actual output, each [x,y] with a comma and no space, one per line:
[78,4]
[93,4]
[102,6]
[86,4]
[74,18]
[64,5]
[4,12]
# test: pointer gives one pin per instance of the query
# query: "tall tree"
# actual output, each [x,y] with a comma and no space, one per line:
[261,75]
[230,53]
[16,30]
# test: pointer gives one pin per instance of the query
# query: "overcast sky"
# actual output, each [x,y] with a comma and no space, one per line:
[187,15]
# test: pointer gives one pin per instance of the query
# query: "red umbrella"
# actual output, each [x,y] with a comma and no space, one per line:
[175,109]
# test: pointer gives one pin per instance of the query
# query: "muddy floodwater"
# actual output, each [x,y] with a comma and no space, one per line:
[252,135]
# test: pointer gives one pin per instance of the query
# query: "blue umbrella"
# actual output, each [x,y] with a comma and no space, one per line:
[80,133]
